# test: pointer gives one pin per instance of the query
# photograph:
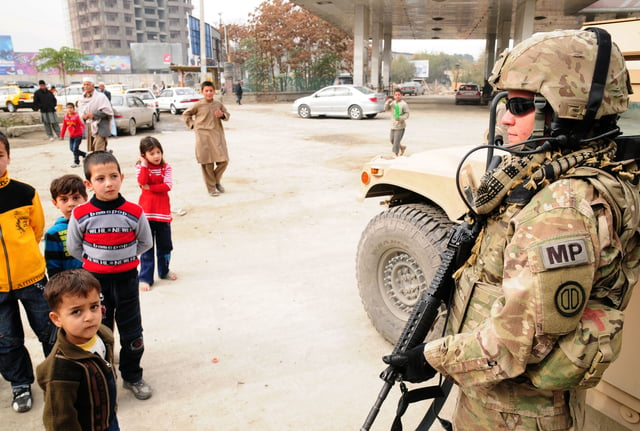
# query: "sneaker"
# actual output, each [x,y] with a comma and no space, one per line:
[141,390]
[75,165]
[50,138]
[214,192]
[220,188]
[22,400]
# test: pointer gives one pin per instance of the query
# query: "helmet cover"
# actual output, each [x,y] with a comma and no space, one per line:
[560,65]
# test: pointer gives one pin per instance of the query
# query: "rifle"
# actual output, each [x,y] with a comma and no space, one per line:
[461,239]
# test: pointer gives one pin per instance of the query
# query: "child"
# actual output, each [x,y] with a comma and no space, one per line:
[77,377]
[206,118]
[75,125]
[398,121]
[108,233]
[22,278]
[154,178]
[67,192]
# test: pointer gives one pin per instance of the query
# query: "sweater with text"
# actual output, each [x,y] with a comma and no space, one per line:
[108,236]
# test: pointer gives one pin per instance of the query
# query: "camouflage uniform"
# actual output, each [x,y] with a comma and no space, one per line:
[536,316]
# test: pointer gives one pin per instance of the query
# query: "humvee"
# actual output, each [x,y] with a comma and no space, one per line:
[399,253]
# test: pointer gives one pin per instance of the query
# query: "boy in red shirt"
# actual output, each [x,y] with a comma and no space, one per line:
[73,122]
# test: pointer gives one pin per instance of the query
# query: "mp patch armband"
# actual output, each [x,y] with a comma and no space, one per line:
[564,253]
[563,268]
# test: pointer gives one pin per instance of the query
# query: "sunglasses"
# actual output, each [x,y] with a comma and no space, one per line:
[519,105]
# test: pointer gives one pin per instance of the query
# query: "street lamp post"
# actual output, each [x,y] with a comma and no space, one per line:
[203,47]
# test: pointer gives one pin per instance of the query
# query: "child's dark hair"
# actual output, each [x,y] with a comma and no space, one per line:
[5,141]
[72,105]
[98,158]
[73,282]
[67,184]
[148,143]
[207,84]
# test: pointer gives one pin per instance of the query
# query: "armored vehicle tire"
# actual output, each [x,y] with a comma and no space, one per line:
[398,255]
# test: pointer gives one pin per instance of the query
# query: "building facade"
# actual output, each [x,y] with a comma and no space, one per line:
[111,26]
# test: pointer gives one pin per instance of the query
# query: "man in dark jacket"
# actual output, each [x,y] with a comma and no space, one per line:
[45,102]
[239,92]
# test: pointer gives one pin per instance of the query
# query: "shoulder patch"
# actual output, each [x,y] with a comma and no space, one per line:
[563,253]
[570,298]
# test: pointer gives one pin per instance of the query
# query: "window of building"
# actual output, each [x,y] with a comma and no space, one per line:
[113,30]
[111,16]
[114,44]
[150,23]
[149,11]
[97,43]
[128,18]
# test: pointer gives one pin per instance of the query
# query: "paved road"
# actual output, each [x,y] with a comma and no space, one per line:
[267,284]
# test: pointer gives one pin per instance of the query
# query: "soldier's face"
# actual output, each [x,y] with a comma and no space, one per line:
[519,127]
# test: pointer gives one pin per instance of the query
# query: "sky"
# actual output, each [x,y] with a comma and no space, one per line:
[36,24]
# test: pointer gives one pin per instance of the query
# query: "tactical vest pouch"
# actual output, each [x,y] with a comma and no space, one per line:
[581,356]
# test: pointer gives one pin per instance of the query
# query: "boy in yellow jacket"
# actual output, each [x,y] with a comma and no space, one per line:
[22,278]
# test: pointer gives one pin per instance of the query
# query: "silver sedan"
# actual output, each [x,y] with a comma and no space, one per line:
[130,113]
[350,101]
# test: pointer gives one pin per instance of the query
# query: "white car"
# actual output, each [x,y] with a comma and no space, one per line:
[70,94]
[350,101]
[177,99]
[147,97]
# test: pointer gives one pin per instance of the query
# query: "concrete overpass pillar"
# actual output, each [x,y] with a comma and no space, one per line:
[504,27]
[490,54]
[525,12]
[360,36]
[376,32]
[386,59]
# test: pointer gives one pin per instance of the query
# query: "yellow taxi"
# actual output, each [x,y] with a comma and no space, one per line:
[14,97]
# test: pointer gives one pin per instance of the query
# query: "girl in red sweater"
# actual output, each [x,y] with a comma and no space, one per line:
[155,180]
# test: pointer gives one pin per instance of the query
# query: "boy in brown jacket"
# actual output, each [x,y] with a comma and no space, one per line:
[77,377]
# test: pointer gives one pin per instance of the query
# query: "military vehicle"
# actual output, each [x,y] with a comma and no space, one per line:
[399,250]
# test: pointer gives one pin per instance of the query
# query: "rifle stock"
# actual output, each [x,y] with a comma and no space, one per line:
[424,313]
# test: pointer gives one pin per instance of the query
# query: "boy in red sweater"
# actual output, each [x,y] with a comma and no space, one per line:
[73,122]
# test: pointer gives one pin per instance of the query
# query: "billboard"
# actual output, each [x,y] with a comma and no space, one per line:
[422,68]
[109,63]
[7,66]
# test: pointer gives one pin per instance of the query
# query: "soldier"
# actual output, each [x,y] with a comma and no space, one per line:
[537,313]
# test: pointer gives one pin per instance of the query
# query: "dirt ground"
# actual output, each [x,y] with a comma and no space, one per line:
[264,328]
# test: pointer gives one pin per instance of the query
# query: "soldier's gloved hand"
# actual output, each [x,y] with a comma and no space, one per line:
[411,364]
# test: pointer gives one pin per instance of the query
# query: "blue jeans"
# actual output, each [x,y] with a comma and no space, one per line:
[15,363]
[122,303]
[74,146]
[161,232]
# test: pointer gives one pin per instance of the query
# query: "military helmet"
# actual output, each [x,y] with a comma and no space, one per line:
[560,66]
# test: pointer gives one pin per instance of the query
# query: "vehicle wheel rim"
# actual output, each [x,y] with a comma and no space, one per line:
[355,112]
[303,111]
[132,127]
[402,282]
[173,110]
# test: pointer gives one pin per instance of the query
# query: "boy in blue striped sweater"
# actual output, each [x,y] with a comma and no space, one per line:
[67,192]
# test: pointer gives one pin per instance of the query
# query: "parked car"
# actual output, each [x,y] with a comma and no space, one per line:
[147,97]
[116,88]
[468,93]
[130,112]
[343,79]
[177,99]
[16,96]
[350,101]
[70,94]
[411,88]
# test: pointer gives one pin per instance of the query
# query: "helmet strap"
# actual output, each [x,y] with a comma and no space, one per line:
[598,83]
